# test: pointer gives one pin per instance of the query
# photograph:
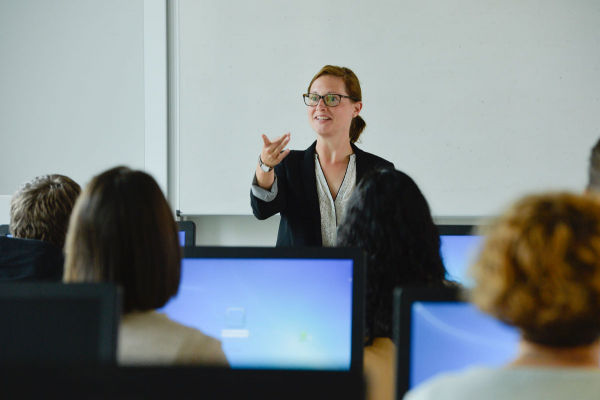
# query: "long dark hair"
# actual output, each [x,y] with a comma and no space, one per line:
[123,231]
[389,219]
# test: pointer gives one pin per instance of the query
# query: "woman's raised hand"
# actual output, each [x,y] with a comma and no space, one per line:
[273,151]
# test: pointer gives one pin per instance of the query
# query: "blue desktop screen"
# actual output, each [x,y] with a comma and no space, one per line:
[270,313]
[450,336]
[458,252]
[182,238]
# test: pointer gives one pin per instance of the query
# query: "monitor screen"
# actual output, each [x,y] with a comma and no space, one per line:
[182,238]
[450,336]
[458,252]
[270,313]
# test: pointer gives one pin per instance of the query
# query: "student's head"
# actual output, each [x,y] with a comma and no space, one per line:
[40,209]
[389,219]
[123,231]
[339,80]
[594,169]
[539,269]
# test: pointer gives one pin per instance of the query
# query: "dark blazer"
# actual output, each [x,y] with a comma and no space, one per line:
[29,260]
[297,200]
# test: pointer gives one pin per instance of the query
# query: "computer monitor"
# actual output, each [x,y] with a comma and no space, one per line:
[435,332]
[459,246]
[276,308]
[54,323]
[4,230]
[187,233]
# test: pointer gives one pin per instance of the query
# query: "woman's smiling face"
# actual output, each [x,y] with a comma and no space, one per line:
[332,121]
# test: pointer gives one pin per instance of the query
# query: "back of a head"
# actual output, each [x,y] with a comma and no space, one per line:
[539,269]
[123,231]
[41,208]
[389,219]
[594,169]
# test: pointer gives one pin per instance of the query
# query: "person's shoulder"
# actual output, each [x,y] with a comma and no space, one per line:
[199,348]
[454,385]
[371,158]
[297,156]
[509,383]
[194,338]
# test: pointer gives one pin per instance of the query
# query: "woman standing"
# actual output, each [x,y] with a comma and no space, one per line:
[311,188]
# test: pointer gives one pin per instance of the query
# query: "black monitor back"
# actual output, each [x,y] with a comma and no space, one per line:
[55,323]
[188,228]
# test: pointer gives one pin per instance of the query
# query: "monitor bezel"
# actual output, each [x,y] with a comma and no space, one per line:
[4,230]
[189,227]
[358,279]
[456,230]
[107,294]
[179,382]
[402,319]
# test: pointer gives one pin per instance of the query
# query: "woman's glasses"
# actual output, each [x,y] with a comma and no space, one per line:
[330,100]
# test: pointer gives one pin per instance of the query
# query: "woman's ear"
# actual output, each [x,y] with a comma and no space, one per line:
[357,108]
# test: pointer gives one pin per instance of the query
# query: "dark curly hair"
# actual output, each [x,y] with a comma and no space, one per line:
[389,219]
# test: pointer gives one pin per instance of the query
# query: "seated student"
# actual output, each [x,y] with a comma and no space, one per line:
[389,219]
[123,231]
[39,216]
[539,270]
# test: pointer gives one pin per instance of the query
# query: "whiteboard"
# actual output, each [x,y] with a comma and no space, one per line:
[480,102]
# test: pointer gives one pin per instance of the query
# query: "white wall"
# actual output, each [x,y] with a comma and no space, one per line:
[245,230]
[5,210]
[72,98]
[235,230]
[83,89]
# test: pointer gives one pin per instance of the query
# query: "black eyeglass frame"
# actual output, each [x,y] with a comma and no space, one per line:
[306,95]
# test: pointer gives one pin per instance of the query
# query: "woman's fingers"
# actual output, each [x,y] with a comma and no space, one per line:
[276,142]
[282,144]
[283,155]
[273,152]
[266,140]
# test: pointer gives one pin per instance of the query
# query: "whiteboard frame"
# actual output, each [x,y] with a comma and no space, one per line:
[155,91]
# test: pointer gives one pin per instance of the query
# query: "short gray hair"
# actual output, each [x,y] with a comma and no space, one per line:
[40,209]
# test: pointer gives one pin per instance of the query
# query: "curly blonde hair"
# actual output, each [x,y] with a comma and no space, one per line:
[539,269]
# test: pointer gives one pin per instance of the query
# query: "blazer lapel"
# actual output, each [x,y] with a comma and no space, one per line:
[310,190]
[361,166]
